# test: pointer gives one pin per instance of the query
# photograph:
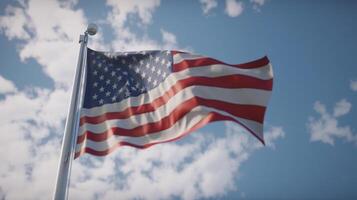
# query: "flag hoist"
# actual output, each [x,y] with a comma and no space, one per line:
[70,131]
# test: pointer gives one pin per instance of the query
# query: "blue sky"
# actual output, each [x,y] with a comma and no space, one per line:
[310,123]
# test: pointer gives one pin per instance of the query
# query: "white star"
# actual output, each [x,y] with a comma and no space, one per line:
[167,52]
[101,89]
[159,71]
[153,69]
[155,81]
[114,98]
[107,94]
[95,72]
[123,61]
[147,65]
[149,79]
[95,96]
[113,73]
[127,93]
[107,82]
[119,78]
[99,65]
[151,57]
[141,62]
[137,70]
[168,65]
[101,101]
[115,86]
[95,84]
[101,77]
[164,74]
[143,74]
[163,61]
[157,59]
[110,54]
[106,69]
[134,59]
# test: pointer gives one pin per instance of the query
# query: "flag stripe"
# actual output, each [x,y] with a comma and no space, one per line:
[233,96]
[192,121]
[204,61]
[263,73]
[250,112]
[224,82]
[179,57]
[205,120]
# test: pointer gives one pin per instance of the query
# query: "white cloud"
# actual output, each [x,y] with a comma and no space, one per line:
[6,86]
[353,85]
[118,18]
[234,8]
[54,29]
[204,166]
[14,23]
[123,12]
[326,128]
[274,133]
[169,39]
[31,122]
[257,4]
[208,5]
[341,108]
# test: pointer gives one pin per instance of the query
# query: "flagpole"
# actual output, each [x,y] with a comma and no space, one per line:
[69,137]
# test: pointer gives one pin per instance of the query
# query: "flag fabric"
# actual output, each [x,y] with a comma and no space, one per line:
[144,98]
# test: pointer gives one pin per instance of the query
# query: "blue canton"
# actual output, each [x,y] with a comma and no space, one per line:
[112,77]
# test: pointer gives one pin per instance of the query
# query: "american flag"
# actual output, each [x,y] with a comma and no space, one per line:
[144,98]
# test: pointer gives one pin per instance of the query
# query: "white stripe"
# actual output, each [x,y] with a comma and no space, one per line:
[235,96]
[264,73]
[174,131]
[177,58]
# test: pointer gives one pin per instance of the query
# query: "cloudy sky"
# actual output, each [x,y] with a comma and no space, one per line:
[311,127]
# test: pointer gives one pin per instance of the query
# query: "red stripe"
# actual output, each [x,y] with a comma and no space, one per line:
[250,112]
[174,52]
[210,61]
[210,118]
[231,81]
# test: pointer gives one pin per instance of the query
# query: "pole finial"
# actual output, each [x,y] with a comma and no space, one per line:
[92,29]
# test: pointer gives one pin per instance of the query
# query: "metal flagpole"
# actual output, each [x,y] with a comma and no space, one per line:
[69,137]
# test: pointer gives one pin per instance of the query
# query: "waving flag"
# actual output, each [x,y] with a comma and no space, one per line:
[144,98]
